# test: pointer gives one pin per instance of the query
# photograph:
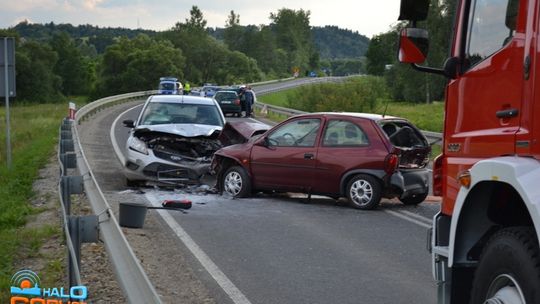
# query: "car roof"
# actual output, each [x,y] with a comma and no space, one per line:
[369,116]
[188,99]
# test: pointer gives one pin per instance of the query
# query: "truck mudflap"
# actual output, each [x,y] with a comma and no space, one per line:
[437,245]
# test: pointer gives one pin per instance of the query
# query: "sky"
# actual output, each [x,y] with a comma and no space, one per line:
[368,17]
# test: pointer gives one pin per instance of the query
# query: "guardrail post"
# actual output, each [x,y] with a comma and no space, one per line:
[71,185]
[66,145]
[82,229]
[69,160]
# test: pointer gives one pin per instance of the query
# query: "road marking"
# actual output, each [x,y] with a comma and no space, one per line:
[416,215]
[408,218]
[116,148]
[223,281]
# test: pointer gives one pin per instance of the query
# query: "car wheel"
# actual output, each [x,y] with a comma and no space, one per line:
[415,199]
[236,182]
[509,268]
[364,192]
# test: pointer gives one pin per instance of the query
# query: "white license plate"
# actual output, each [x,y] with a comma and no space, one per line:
[225,102]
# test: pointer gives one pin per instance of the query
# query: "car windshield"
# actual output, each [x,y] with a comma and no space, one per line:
[167,86]
[158,113]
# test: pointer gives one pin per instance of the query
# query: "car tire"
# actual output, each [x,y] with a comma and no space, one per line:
[509,268]
[236,182]
[415,199]
[364,192]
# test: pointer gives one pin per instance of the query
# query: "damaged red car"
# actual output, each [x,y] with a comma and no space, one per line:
[362,157]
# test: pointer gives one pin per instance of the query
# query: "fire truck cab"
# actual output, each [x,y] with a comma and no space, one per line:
[484,240]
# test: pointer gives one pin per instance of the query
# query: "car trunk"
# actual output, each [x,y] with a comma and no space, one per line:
[408,142]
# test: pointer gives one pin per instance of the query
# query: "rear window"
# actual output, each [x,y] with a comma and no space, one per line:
[226,96]
[403,134]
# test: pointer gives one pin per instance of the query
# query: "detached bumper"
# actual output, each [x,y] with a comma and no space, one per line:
[410,182]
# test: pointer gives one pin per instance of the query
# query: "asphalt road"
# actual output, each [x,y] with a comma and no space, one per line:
[279,249]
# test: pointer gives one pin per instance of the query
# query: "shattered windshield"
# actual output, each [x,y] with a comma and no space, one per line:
[157,113]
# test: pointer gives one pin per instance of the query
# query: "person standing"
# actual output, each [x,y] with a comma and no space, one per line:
[250,99]
[187,89]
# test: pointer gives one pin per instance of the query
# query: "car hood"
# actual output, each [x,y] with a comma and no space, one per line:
[241,131]
[185,130]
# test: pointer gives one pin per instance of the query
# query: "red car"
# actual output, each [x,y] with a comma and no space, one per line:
[362,157]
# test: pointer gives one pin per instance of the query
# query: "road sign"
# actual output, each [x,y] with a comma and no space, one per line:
[7,60]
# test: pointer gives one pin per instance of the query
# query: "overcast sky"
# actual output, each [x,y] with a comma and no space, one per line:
[368,17]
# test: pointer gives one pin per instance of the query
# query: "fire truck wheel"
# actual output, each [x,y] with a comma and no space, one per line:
[236,182]
[509,268]
[364,192]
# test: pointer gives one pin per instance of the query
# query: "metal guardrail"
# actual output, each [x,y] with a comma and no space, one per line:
[131,277]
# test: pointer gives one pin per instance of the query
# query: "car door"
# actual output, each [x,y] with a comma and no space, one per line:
[346,145]
[287,161]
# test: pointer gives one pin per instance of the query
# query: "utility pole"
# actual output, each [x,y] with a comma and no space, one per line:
[8,61]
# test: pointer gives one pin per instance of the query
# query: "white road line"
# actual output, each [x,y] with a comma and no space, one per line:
[116,148]
[415,215]
[407,218]
[223,281]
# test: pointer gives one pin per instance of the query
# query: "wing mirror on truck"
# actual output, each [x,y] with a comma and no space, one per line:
[414,42]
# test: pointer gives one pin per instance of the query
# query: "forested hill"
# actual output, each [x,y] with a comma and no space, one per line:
[335,43]
[331,41]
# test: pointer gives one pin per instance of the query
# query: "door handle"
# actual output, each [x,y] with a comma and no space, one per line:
[508,113]
[309,156]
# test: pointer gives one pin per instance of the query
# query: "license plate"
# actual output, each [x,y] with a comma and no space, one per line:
[225,102]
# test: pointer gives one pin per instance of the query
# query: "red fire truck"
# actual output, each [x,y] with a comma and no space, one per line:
[484,240]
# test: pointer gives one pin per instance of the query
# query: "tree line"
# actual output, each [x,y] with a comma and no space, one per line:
[54,61]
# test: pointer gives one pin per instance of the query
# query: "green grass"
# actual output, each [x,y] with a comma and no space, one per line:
[34,134]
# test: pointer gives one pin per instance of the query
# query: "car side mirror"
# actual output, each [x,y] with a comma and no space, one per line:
[263,142]
[128,123]
[413,45]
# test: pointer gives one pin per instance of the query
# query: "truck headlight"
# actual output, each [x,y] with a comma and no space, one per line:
[138,145]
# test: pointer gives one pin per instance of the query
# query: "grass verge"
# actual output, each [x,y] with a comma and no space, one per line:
[34,134]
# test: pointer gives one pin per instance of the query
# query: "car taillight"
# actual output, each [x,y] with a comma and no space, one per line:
[237,102]
[391,163]
[437,175]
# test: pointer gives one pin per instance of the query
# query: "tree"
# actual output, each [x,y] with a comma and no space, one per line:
[71,66]
[136,64]
[36,81]
[293,34]
[233,34]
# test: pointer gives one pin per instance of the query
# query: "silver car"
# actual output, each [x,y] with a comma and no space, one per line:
[173,139]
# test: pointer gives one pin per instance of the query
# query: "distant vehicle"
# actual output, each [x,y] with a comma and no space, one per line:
[168,86]
[362,157]
[209,90]
[229,102]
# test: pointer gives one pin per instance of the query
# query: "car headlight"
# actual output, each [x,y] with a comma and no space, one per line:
[137,145]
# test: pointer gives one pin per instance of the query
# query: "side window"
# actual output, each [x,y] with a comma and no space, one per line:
[300,132]
[492,24]
[344,133]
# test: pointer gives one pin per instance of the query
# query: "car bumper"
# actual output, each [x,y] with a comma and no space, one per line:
[410,182]
[149,167]
[230,108]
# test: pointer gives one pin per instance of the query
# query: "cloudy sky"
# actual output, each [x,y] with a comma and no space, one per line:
[368,17]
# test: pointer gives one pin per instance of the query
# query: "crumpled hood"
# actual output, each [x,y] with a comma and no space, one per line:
[185,130]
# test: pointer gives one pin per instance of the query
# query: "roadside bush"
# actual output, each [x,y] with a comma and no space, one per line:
[360,94]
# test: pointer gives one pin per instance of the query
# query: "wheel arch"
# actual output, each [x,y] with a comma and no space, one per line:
[224,163]
[378,174]
[502,195]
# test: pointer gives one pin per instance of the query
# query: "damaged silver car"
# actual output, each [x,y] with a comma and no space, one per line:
[174,138]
